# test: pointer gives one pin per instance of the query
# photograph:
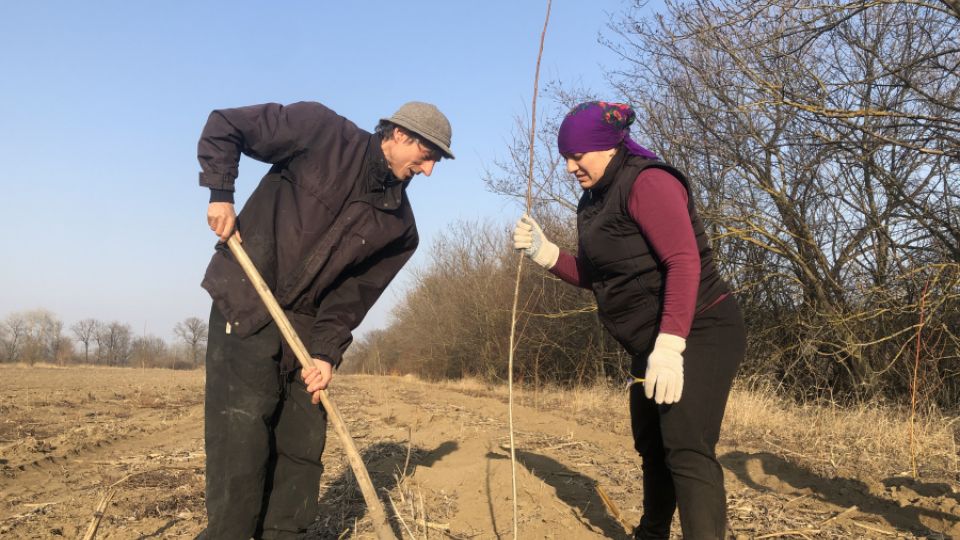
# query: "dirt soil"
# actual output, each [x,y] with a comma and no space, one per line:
[439,455]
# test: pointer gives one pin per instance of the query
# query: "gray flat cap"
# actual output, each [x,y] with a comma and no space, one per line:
[427,121]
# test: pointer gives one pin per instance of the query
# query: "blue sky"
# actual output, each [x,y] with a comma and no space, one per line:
[101,105]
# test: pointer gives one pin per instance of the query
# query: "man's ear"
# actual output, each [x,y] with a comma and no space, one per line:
[401,137]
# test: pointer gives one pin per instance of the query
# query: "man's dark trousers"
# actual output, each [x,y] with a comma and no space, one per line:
[263,437]
[678,442]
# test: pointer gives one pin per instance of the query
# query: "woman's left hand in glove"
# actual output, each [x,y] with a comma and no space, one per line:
[664,377]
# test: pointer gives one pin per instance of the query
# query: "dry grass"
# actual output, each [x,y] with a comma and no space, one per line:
[579,400]
[869,439]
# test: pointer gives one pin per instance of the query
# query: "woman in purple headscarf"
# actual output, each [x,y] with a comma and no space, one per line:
[643,251]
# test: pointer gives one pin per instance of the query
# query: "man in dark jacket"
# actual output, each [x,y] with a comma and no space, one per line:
[328,227]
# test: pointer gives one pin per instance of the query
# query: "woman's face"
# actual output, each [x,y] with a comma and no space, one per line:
[588,167]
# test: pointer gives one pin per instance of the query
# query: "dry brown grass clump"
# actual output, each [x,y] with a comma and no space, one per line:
[870,439]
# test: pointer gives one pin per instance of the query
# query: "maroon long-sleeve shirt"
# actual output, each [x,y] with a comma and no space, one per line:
[658,204]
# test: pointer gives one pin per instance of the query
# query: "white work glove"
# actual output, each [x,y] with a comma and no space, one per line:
[528,236]
[665,369]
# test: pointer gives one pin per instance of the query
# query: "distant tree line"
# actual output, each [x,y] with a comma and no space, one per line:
[454,320]
[823,140]
[40,336]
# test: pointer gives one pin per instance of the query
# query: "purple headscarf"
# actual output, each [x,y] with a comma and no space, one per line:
[599,125]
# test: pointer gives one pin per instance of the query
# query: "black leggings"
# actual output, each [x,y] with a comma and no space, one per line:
[678,442]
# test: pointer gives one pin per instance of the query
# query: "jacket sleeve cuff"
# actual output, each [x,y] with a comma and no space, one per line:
[327,352]
[222,181]
[221,195]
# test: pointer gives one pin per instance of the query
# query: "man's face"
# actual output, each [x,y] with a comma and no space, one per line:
[408,158]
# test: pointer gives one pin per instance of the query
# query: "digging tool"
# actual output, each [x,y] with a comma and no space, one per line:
[377,513]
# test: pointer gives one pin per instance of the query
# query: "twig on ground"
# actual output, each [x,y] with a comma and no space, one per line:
[39,508]
[786,450]
[608,502]
[797,498]
[396,512]
[872,528]
[98,513]
[435,526]
[422,520]
[559,446]
[406,463]
[400,482]
[793,532]
[841,515]
[102,505]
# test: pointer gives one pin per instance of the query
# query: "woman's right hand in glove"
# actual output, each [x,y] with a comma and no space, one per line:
[529,237]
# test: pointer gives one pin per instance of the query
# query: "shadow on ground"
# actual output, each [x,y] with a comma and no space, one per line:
[575,489]
[766,472]
[341,502]
[161,532]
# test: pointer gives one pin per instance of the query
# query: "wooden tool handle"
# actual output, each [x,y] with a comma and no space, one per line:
[377,513]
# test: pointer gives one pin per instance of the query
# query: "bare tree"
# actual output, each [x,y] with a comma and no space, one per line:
[85,331]
[113,343]
[823,138]
[65,351]
[40,333]
[15,326]
[55,341]
[454,319]
[193,332]
[147,351]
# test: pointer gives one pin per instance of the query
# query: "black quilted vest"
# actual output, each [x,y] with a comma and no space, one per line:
[627,278]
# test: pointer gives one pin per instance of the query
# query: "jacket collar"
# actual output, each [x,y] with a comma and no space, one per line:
[379,186]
